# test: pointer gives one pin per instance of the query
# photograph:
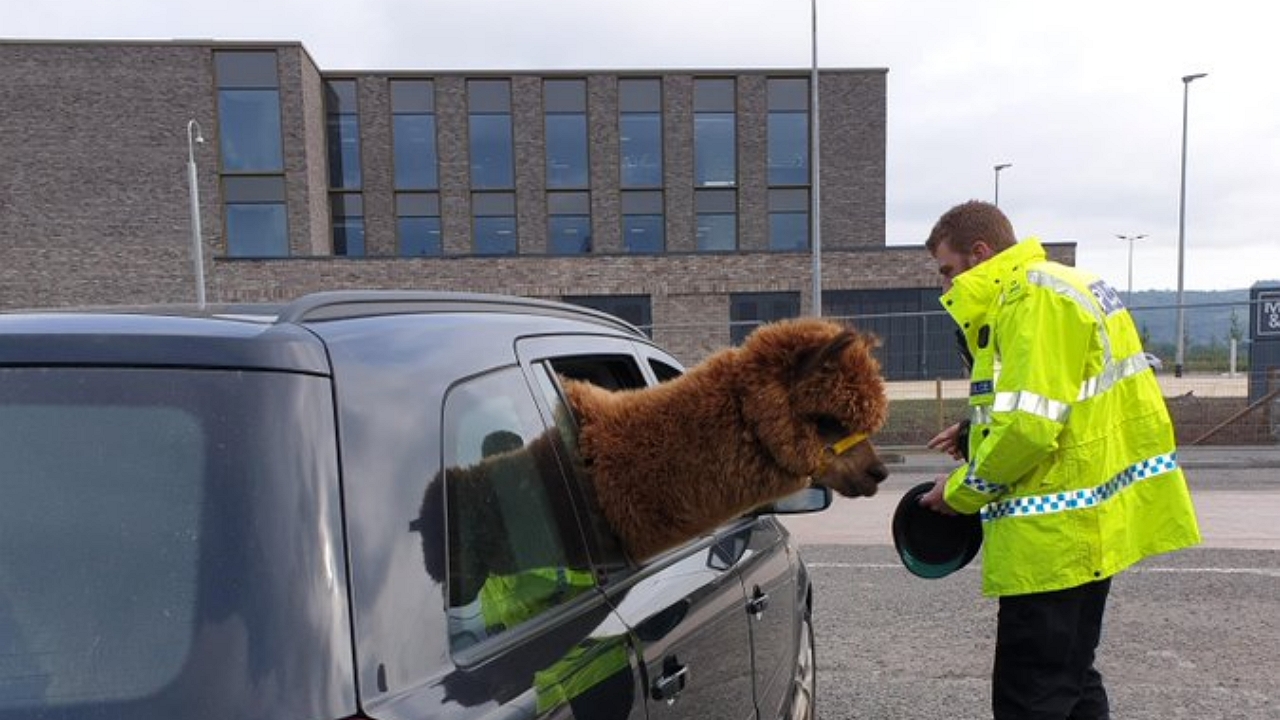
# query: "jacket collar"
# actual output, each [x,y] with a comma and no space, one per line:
[975,290]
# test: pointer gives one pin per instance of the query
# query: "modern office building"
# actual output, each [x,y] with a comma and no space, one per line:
[679,200]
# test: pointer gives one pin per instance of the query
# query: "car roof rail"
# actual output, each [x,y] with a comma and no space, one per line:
[346,304]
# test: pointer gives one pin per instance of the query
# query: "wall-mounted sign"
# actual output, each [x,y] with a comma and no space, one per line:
[1267,318]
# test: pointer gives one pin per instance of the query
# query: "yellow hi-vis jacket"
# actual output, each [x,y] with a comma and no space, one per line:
[1072,462]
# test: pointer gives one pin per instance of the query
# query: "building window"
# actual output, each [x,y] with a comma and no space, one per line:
[717,220]
[714,133]
[788,219]
[348,224]
[343,123]
[249,112]
[257,225]
[640,132]
[788,154]
[642,221]
[565,103]
[635,309]
[251,147]
[748,311]
[418,224]
[569,223]
[494,216]
[413,127]
[492,143]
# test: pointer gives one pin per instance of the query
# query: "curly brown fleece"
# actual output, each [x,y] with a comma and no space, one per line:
[745,427]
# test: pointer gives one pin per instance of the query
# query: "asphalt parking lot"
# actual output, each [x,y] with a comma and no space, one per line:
[1194,634]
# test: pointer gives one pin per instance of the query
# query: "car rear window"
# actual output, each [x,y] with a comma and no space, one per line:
[168,541]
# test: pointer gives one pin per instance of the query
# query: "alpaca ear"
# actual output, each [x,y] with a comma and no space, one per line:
[816,358]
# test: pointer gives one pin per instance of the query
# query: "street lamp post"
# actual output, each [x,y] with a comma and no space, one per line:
[815,161]
[197,247]
[1130,238]
[998,168]
[1182,214]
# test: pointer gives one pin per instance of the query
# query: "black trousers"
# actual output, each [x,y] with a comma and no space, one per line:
[1045,644]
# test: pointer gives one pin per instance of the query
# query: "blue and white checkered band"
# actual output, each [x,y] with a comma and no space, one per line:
[986,487]
[981,387]
[1079,499]
[1107,297]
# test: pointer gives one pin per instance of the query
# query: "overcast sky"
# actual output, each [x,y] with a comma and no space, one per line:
[1084,98]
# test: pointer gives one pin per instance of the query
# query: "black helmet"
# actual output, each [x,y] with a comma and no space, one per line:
[931,544]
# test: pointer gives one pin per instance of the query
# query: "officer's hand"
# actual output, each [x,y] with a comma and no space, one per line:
[946,441]
[934,500]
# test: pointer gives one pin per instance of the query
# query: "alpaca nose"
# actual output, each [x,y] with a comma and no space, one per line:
[878,472]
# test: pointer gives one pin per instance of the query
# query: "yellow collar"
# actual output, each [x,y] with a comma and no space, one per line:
[836,449]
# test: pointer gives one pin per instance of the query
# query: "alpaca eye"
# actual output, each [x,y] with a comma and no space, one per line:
[829,427]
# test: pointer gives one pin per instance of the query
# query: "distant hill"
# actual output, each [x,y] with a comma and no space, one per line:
[1208,315]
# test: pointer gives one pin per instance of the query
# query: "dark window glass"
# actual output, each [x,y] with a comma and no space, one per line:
[643,233]
[344,152]
[567,150]
[515,549]
[492,152]
[257,230]
[492,144]
[495,235]
[635,309]
[788,231]
[717,220]
[640,95]
[569,234]
[418,224]
[419,236]
[641,145]
[348,224]
[416,159]
[714,147]
[788,219]
[249,131]
[748,311]
[246,69]
[717,232]
[130,500]
[788,148]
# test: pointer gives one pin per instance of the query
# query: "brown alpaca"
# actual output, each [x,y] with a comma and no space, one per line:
[745,427]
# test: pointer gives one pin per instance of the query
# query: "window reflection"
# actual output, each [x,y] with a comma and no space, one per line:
[714,140]
[249,130]
[641,143]
[257,230]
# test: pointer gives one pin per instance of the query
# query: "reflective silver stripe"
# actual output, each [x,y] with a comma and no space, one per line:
[1112,374]
[1079,499]
[1033,404]
[1087,302]
[980,415]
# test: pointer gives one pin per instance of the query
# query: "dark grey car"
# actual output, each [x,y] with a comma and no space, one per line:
[251,514]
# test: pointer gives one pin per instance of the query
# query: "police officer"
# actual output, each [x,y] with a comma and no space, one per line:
[1071,458]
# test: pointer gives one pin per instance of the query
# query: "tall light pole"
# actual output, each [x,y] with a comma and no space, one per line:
[1182,215]
[197,247]
[1131,238]
[815,145]
[998,168]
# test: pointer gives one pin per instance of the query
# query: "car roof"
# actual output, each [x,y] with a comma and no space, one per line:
[252,335]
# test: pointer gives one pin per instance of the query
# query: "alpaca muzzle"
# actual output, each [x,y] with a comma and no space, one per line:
[835,450]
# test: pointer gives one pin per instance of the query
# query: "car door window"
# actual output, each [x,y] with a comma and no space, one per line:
[514,547]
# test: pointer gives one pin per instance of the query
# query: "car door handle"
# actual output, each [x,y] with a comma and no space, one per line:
[672,682]
[758,603]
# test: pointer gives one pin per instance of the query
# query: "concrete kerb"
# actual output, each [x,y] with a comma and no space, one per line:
[915,458]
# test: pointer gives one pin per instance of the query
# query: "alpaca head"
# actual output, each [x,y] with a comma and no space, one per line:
[813,395]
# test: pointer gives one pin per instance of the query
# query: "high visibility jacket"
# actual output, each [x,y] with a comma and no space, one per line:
[1072,461]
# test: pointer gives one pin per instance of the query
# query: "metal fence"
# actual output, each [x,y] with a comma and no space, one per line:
[1226,393]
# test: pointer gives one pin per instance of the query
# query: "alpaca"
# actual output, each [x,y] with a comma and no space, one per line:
[745,427]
